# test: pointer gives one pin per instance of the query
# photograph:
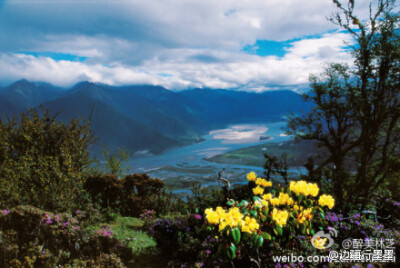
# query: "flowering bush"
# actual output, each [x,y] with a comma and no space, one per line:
[280,215]
[31,237]
[184,243]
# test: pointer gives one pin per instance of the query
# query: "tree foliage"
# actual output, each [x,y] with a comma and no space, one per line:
[357,109]
[43,160]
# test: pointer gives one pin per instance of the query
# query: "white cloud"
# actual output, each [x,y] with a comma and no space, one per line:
[197,42]
[228,70]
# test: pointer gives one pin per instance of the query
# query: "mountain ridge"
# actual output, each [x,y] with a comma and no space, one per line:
[149,118]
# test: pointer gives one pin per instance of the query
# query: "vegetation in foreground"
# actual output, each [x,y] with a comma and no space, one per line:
[58,208]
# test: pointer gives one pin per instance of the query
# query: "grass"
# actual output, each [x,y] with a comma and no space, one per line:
[130,231]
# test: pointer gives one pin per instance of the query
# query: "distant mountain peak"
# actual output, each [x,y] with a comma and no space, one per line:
[84,84]
[22,82]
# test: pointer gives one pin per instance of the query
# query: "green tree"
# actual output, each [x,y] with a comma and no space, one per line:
[43,161]
[357,110]
[117,163]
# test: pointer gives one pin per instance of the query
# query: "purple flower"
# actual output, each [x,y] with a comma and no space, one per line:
[197,216]
[369,266]
[106,231]
[5,211]
[208,251]
[357,222]
[76,228]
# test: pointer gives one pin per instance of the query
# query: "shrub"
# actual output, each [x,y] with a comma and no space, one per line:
[129,196]
[280,217]
[33,237]
[43,161]
[183,242]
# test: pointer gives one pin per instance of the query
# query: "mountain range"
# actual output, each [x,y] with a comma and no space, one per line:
[145,118]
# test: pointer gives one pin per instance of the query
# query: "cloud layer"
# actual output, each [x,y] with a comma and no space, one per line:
[176,44]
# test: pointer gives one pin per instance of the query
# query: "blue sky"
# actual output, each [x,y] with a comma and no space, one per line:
[253,45]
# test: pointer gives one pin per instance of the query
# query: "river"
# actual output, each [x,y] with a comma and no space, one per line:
[180,167]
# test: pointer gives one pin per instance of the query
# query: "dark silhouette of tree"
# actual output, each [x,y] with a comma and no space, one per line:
[357,109]
[276,165]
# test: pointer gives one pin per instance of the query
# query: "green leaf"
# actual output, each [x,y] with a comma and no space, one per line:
[230,202]
[322,214]
[260,241]
[253,213]
[231,252]
[266,235]
[257,198]
[266,211]
[278,229]
[243,203]
[303,230]
[245,211]
[235,234]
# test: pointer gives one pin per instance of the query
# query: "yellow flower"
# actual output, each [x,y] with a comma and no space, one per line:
[304,188]
[290,202]
[301,218]
[283,198]
[264,203]
[222,226]
[326,200]
[233,218]
[258,190]
[320,242]
[280,216]
[261,203]
[267,196]
[275,202]
[251,176]
[263,182]
[304,215]
[313,189]
[259,181]
[250,225]
[214,217]
[221,212]
[308,213]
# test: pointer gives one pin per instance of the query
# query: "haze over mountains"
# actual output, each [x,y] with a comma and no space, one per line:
[149,119]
